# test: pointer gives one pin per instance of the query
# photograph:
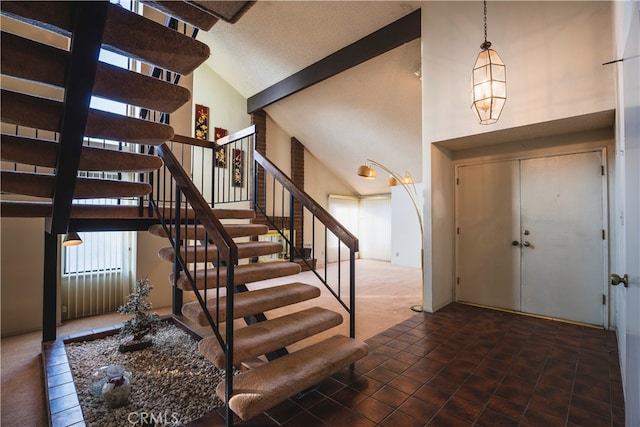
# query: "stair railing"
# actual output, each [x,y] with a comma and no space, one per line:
[232,180]
[190,223]
[318,241]
[232,173]
[222,171]
[311,236]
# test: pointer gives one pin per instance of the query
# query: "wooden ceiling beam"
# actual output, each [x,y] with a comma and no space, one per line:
[396,34]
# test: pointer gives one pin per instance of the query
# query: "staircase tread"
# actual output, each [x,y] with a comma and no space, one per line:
[252,302]
[270,335]
[229,11]
[15,208]
[209,253]
[46,114]
[198,233]
[38,152]
[125,32]
[245,273]
[185,12]
[42,185]
[30,60]
[139,37]
[265,386]
[130,87]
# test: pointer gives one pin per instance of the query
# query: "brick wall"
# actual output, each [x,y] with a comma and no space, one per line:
[259,118]
[297,176]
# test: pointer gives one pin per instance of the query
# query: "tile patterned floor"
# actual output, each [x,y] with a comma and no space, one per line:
[462,366]
[468,366]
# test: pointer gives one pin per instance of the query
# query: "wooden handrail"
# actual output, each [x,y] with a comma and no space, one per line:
[237,135]
[308,202]
[187,140]
[221,238]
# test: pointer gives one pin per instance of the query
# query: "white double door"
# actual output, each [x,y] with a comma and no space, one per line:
[530,236]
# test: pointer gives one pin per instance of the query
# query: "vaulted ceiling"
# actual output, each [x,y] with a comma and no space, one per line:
[372,110]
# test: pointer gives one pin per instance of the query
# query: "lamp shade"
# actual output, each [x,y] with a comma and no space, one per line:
[72,239]
[366,172]
[407,179]
[489,85]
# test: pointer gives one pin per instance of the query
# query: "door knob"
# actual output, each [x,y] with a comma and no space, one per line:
[616,280]
[515,243]
[526,232]
[526,244]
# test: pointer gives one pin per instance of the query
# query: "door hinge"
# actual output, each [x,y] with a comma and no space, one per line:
[457,230]
[604,236]
[602,170]
[457,181]
[457,280]
[604,299]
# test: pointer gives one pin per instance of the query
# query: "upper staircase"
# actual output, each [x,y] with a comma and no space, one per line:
[57,151]
[48,130]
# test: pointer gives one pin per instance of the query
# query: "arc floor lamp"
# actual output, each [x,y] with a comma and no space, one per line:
[368,172]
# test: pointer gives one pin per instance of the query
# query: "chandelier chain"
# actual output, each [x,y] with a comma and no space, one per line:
[485,21]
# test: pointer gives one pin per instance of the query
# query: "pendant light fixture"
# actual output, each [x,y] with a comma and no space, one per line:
[72,239]
[489,84]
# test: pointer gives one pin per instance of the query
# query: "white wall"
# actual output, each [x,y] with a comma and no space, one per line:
[406,244]
[156,270]
[279,147]
[553,53]
[625,247]
[227,110]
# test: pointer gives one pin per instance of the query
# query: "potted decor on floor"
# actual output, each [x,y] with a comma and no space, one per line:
[142,324]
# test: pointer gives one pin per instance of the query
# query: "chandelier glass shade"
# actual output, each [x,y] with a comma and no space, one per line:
[489,86]
[488,82]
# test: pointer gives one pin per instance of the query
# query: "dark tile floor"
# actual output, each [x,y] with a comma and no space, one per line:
[468,366]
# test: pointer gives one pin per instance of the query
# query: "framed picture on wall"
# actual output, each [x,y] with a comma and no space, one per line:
[221,152]
[202,122]
[237,168]
[220,157]
[220,133]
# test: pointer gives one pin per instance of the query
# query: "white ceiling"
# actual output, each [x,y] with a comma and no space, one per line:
[370,111]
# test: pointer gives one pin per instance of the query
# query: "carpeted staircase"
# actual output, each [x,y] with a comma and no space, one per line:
[31,65]
[45,161]
[270,383]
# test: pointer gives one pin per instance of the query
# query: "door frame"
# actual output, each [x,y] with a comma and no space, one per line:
[605,216]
